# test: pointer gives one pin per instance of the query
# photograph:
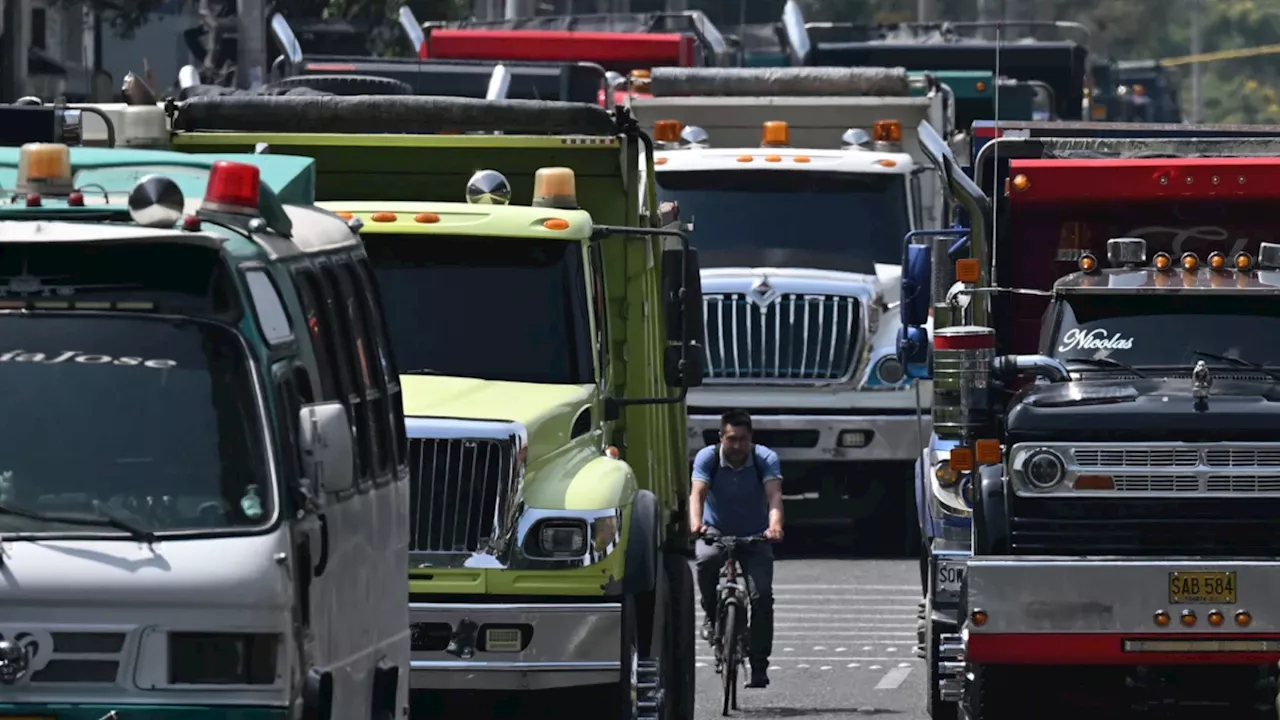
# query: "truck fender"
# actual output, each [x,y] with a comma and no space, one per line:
[642,545]
[990,513]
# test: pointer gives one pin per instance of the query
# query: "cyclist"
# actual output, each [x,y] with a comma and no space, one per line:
[737,490]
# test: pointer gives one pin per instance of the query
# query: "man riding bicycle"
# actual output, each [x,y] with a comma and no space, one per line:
[737,490]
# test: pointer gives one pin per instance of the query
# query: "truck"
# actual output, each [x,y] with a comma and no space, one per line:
[194,552]
[1111,514]
[802,333]
[548,332]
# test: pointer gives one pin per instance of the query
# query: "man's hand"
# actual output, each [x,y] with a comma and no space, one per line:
[774,533]
[696,527]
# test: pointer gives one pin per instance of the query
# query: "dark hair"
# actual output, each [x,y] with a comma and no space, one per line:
[736,418]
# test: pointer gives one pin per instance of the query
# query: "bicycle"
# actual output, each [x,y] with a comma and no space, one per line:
[731,615]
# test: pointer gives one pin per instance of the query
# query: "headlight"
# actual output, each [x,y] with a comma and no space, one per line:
[222,658]
[945,475]
[562,538]
[1044,469]
[604,532]
[890,370]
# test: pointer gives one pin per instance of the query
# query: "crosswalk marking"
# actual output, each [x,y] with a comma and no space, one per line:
[893,678]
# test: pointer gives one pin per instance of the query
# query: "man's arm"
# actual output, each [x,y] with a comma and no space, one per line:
[699,489]
[773,492]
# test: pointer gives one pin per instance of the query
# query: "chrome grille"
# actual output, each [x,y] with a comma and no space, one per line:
[459,488]
[1137,457]
[793,337]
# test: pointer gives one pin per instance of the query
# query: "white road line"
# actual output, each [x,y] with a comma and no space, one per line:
[892,639]
[906,600]
[901,626]
[846,658]
[846,587]
[904,609]
[893,678]
[840,616]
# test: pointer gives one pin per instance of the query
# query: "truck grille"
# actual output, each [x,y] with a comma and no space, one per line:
[793,337]
[459,489]
[1215,527]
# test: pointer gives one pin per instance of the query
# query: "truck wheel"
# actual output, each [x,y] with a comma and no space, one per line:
[627,690]
[348,84]
[681,626]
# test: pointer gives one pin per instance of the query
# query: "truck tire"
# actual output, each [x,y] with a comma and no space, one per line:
[348,84]
[681,626]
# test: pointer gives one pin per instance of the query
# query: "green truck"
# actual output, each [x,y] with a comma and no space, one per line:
[547,335]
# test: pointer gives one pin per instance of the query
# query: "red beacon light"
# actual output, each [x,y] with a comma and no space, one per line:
[233,188]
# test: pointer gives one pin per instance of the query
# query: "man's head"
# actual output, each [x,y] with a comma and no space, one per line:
[735,436]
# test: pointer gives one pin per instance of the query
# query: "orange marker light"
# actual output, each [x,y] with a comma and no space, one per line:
[667,130]
[1243,261]
[800,159]
[987,452]
[962,459]
[556,224]
[1088,263]
[1162,618]
[773,158]
[660,161]
[980,86]
[1217,260]
[968,270]
[1243,618]
[886,162]
[344,214]
[776,133]
[1190,262]
[889,131]
[1162,261]
[383,217]
[1188,618]
[744,158]
[1215,618]
[426,218]
[979,617]
[1021,183]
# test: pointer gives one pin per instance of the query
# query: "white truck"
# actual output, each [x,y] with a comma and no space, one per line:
[801,245]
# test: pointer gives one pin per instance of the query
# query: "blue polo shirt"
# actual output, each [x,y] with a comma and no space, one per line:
[737,504]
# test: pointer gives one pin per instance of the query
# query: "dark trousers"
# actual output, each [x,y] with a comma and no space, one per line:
[757,565]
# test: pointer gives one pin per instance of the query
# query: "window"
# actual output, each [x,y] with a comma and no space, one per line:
[273,320]
[917,202]
[599,306]
[355,370]
[390,381]
[312,306]
[156,420]
[371,368]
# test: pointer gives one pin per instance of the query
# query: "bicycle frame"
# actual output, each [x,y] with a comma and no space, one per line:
[731,590]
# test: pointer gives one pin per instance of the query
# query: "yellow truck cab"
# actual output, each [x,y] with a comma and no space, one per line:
[546,332]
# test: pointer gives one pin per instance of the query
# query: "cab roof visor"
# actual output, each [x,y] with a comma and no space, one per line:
[789,81]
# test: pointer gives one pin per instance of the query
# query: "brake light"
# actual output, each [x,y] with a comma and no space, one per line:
[233,187]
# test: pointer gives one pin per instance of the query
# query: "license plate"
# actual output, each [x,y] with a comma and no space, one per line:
[1202,588]
[502,640]
[950,575]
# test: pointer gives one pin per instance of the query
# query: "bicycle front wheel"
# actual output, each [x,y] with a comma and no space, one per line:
[730,661]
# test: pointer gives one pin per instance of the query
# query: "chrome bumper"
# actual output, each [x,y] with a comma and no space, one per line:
[892,437]
[1069,596]
[571,644]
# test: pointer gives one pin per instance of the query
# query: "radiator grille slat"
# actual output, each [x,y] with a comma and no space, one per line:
[457,492]
[799,337]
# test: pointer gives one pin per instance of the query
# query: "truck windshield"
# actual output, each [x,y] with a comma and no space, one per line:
[776,218]
[493,308]
[1167,329]
[152,421]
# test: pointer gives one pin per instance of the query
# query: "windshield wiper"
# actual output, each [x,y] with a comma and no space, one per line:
[106,520]
[1107,362]
[1274,374]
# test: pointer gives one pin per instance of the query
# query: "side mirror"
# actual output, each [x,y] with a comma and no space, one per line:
[917,268]
[682,301]
[327,445]
[913,351]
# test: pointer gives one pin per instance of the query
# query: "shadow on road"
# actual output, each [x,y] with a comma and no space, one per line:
[823,543]
[790,712]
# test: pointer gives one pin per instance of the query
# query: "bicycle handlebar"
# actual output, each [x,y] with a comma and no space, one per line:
[714,538]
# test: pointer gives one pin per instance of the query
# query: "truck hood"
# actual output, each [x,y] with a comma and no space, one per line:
[546,411]
[1146,409]
[212,573]
[886,280]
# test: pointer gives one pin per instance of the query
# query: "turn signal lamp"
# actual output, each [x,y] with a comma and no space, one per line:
[1094,482]
[979,617]
[967,270]
[946,475]
[555,187]
[1244,262]
[987,452]
[1217,261]
[980,86]
[1020,183]
[233,187]
[1190,262]
[1088,263]
[667,131]
[44,168]
[962,459]
[776,134]
[889,131]
[1162,261]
